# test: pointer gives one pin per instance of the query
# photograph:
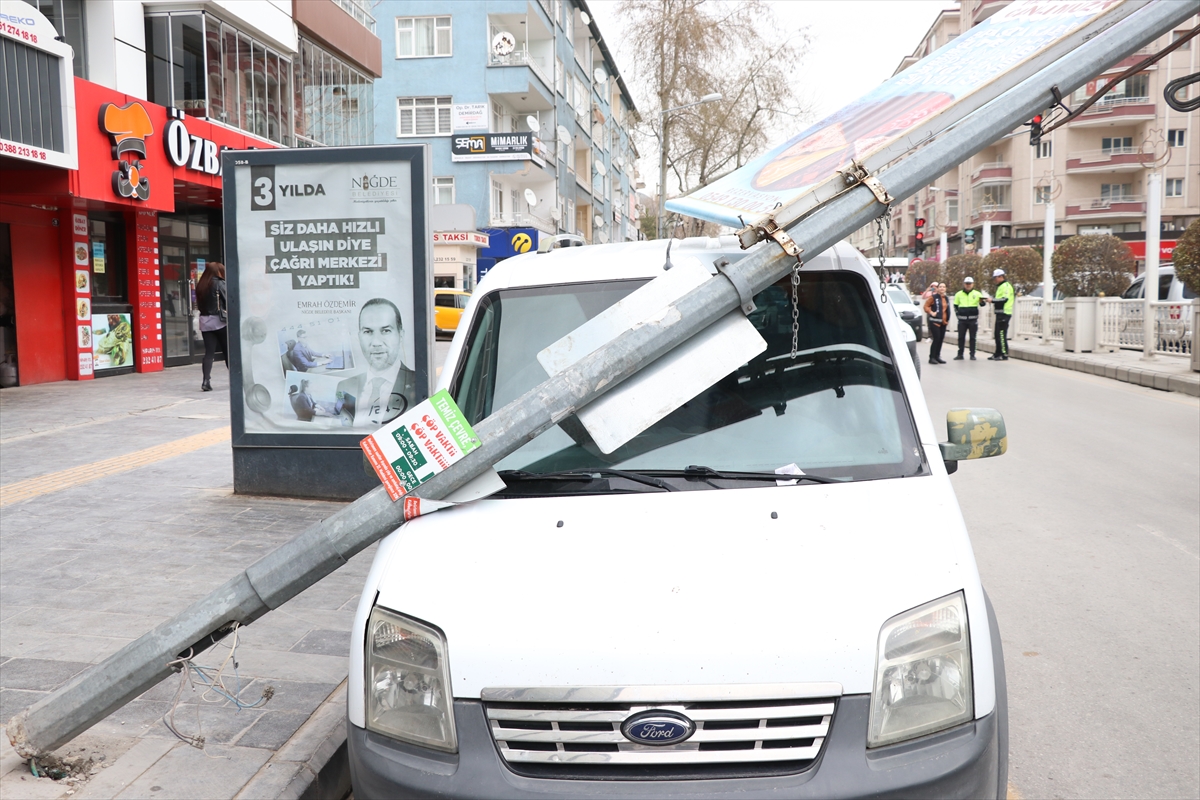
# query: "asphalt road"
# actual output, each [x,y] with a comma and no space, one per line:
[1087,535]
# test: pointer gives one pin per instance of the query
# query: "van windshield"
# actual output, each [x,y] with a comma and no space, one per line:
[835,411]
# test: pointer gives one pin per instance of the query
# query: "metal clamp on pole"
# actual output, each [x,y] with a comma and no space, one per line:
[858,174]
[745,293]
[769,229]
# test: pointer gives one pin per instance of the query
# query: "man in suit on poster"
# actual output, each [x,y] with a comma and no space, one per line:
[388,387]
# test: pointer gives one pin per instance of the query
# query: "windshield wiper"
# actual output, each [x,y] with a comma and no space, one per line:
[586,474]
[695,471]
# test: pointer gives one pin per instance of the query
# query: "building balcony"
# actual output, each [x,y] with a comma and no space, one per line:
[987,8]
[1122,109]
[523,58]
[1114,159]
[1097,207]
[991,213]
[992,172]
[519,219]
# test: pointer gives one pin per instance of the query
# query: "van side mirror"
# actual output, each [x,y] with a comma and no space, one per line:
[973,433]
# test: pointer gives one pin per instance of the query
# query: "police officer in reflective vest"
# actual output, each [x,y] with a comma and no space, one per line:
[1002,304]
[966,308]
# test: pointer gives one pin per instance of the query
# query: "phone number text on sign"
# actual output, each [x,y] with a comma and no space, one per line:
[21,150]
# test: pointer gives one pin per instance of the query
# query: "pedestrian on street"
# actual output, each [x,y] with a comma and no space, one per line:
[937,307]
[1002,304]
[930,292]
[213,302]
[966,308]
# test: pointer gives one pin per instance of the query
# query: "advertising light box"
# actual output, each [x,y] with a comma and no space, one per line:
[329,267]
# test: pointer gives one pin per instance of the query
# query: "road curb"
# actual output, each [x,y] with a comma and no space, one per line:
[1150,378]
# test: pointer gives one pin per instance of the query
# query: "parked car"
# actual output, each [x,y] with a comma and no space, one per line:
[717,608]
[1169,286]
[448,305]
[1041,287]
[909,311]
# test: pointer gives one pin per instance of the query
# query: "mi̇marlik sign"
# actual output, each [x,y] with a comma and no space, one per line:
[493,147]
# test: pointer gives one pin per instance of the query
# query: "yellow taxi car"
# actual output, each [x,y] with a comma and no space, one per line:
[448,305]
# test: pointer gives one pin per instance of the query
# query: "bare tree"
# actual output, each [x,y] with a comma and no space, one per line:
[682,50]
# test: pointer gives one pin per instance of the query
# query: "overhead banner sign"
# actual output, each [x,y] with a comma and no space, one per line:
[329,282]
[905,111]
[492,147]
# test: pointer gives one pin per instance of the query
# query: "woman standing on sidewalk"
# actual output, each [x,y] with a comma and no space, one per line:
[214,304]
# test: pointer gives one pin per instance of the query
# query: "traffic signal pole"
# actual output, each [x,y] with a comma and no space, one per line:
[296,565]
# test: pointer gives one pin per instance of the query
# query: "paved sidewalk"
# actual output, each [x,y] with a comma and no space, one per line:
[1168,373]
[116,512]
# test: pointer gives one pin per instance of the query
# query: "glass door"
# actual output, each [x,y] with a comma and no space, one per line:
[176,289]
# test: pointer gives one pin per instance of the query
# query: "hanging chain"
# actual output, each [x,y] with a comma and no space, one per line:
[796,306]
[883,219]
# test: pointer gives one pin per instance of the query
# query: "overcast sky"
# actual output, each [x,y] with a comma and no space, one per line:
[856,44]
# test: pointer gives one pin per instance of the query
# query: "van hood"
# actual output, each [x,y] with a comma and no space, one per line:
[756,585]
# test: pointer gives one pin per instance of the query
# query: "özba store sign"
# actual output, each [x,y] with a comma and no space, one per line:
[188,150]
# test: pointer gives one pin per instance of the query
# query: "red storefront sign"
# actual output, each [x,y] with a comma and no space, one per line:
[1165,249]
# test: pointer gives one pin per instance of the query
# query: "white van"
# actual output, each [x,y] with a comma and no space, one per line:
[725,606]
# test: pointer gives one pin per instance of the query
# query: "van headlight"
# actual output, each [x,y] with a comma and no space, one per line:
[922,673]
[408,682]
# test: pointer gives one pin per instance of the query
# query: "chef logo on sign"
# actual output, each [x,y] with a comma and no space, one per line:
[128,126]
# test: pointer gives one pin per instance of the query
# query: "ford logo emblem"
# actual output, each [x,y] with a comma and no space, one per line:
[658,728]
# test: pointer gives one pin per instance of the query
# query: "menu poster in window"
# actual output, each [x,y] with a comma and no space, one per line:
[330,324]
[112,341]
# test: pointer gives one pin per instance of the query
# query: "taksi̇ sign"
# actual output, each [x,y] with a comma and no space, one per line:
[188,150]
[128,126]
[493,147]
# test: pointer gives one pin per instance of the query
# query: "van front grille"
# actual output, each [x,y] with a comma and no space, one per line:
[580,735]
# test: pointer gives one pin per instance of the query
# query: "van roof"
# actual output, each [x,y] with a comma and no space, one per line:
[632,260]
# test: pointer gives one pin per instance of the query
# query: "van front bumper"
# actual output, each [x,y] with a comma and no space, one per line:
[966,761]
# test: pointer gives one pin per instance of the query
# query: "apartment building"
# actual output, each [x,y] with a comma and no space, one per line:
[112,117]
[527,115]
[1094,169]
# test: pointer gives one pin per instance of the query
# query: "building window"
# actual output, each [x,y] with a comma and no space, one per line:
[423,116]
[1041,195]
[952,211]
[1177,35]
[423,37]
[360,10]
[67,17]
[1174,187]
[1117,145]
[1115,191]
[1045,149]
[443,191]
[1175,137]
[497,200]
[334,102]
[560,77]
[497,117]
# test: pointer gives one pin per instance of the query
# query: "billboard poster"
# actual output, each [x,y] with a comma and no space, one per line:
[904,111]
[329,279]
[111,340]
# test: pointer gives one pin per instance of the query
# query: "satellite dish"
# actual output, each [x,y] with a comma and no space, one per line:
[503,43]
[534,123]
[599,220]
[530,197]
[555,214]
[584,18]
[564,135]
[617,163]
[599,75]
[601,169]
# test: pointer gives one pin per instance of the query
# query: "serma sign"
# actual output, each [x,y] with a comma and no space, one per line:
[908,109]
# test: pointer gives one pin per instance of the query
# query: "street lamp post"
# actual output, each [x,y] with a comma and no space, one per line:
[662,155]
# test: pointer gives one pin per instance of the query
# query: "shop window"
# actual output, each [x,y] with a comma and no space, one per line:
[67,17]
[106,245]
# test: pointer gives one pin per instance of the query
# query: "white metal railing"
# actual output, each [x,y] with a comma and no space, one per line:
[1120,324]
[1105,103]
[1090,156]
[1027,317]
[521,58]
[1056,319]
[1099,203]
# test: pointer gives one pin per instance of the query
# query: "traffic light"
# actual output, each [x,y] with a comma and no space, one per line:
[1035,131]
[920,244]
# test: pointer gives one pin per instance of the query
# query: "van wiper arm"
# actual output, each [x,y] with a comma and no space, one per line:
[695,471]
[587,474]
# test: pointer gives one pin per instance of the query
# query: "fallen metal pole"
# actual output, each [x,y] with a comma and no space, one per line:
[318,551]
